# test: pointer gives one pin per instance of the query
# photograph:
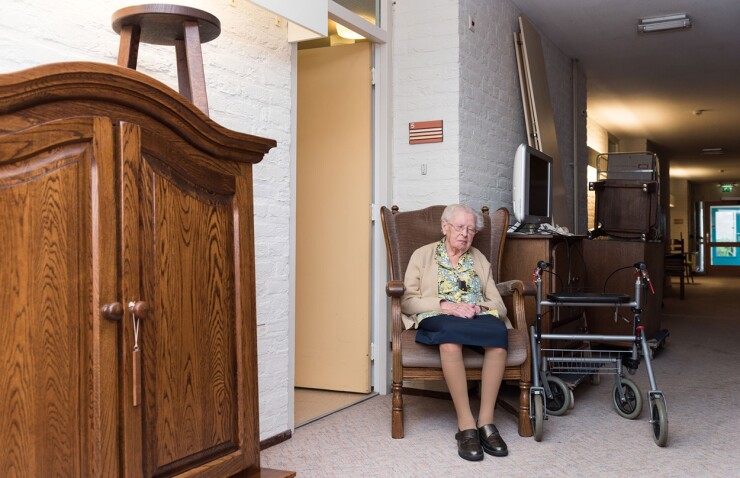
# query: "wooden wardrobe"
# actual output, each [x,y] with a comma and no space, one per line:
[127,284]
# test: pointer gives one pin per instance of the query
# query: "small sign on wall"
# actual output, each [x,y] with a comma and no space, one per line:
[678,220]
[425,132]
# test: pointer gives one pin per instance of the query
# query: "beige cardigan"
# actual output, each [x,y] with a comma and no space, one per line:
[421,293]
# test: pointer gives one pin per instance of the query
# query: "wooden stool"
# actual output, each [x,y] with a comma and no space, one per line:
[162,24]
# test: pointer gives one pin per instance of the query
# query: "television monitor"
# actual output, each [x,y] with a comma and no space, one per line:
[532,186]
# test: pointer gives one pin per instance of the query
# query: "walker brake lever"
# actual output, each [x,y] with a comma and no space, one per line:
[541,266]
[641,269]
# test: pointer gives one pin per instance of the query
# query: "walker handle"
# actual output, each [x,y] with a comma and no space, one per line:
[641,269]
[541,266]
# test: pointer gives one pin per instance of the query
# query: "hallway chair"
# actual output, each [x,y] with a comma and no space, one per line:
[405,232]
[677,265]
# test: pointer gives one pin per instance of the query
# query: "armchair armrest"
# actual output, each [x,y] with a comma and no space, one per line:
[507,289]
[530,290]
[515,289]
[395,288]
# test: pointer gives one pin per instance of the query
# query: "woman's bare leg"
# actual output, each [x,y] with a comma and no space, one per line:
[454,372]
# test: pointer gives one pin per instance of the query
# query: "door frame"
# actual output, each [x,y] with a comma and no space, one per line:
[381,193]
[708,244]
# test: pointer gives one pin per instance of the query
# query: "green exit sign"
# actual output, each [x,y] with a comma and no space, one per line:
[727,188]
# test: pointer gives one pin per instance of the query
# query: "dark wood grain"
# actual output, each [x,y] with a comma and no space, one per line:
[114,189]
[161,24]
[79,88]
[128,49]
[188,271]
[52,341]
[605,259]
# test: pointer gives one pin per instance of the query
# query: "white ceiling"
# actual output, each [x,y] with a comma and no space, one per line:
[649,85]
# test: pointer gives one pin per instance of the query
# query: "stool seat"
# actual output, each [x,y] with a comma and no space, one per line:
[163,24]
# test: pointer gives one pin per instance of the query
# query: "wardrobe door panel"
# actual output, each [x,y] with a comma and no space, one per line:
[57,269]
[181,255]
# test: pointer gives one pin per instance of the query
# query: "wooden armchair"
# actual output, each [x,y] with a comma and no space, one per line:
[404,233]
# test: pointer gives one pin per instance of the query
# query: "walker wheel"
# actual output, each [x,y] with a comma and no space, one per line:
[538,415]
[560,401]
[631,406]
[659,420]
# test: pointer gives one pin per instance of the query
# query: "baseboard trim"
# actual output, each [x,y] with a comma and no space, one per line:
[275,440]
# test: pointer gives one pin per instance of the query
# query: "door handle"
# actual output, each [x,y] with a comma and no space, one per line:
[112,311]
[139,308]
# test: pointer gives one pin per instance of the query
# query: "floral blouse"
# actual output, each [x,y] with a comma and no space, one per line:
[456,284]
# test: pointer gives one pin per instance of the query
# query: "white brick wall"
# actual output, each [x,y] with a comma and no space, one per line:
[425,87]
[472,83]
[491,115]
[597,136]
[248,75]
[560,71]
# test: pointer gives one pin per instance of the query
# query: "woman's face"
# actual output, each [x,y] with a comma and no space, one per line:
[460,231]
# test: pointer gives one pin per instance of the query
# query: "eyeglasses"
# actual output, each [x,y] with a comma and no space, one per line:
[461,229]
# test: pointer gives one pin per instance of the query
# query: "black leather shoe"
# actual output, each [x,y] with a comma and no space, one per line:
[468,445]
[491,441]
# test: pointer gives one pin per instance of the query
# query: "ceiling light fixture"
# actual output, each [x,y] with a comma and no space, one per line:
[664,22]
[707,151]
[347,33]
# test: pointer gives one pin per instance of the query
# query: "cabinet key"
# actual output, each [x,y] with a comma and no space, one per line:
[139,311]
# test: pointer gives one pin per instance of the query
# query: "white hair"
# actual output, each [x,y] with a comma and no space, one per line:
[453,209]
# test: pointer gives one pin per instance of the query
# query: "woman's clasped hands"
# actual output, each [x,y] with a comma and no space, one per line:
[460,309]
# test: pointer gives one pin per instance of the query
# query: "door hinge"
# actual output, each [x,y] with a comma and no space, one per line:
[372,76]
[372,351]
[374,212]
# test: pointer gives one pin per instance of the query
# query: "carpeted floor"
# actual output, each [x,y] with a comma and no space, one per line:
[697,371]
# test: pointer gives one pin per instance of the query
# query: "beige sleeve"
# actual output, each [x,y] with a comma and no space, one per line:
[417,298]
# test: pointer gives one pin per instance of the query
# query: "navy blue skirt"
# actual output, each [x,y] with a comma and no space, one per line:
[481,331]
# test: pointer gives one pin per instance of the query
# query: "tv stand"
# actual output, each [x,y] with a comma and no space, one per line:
[565,253]
[527,228]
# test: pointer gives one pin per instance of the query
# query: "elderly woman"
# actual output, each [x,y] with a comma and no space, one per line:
[452,299]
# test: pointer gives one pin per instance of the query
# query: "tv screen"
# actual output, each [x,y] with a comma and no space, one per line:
[532,186]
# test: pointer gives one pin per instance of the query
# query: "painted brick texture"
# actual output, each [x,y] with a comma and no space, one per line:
[469,79]
[491,114]
[425,87]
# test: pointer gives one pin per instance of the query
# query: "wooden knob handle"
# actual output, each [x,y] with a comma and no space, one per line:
[112,311]
[139,308]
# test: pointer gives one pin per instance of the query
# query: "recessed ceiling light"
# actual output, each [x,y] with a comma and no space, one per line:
[713,151]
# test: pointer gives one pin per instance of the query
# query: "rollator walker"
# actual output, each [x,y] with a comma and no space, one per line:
[550,394]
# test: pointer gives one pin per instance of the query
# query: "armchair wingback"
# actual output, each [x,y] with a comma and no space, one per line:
[404,233]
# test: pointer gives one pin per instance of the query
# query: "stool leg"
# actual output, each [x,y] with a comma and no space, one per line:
[183,80]
[128,48]
[190,74]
